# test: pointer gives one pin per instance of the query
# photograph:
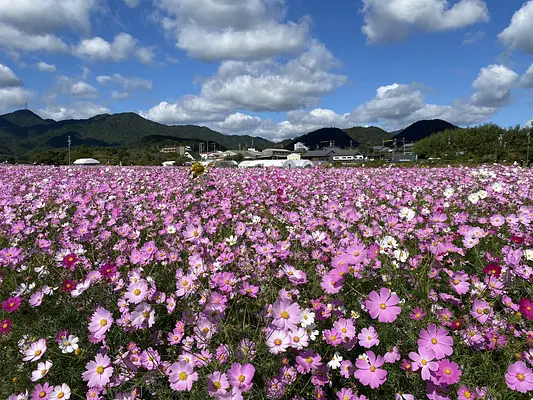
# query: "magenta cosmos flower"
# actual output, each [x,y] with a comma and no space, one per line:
[424,360]
[240,376]
[286,315]
[182,376]
[526,308]
[41,392]
[383,306]
[519,377]
[369,373]
[11,304]
[5,324]
[448,372]
[98,372]
[436,340]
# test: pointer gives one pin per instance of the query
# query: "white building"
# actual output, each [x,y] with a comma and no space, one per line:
[300,147]
[294,156]
[86,161]
[276,164]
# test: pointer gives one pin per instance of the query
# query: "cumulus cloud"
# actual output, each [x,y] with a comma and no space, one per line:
[13,97]
[233,30]
[527,78]
[78,110]
[256,86]
[76,88]
[45,67]
[123,47]
[125,82]
[493,86]
[29,25]
[236,123]
[529,124]
[8,77]
[519,35]
[116,95]
[390,20]
[15,39]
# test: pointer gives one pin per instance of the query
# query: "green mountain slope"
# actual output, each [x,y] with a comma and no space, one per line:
[368,136]
[23,131]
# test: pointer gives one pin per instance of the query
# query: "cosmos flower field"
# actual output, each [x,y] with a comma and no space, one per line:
[152,283]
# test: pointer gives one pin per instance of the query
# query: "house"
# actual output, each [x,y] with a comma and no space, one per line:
[300,147]
[273,154]
[175,149]
[294,156]
[333,154]
[401,157]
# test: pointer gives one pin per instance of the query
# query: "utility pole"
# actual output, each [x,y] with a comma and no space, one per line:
[528,141]
[500,138]
[69,150]
[403,141]
[351,141]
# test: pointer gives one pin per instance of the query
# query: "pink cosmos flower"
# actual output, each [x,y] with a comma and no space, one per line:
[368,337]
[69,260]
[217,383]
[345,394]
[481,311]
[332,337]
[383,306]
[346,369]
[98,372]
[181,376]
[286,315]
[519,377]
[417,314]
[369,373]
[392,356]
[240,376]
[436,340]
[100,322]
[464,393]
[307,361]
[36,351]
[424,360]
[136,292]
[278,341]
[345,328]
[41,392]
[448,372]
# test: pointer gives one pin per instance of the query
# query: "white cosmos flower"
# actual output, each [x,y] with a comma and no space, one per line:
[407,213]
[61,392]
[482,194]
[41,371]
[528,254]
[448,192]
[308,318]
[69,345]
[335,362]
[497,187]
[473,198]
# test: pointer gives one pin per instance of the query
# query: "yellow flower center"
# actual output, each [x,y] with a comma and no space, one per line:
[5,325]
[137,292]
[37,353]
[456,281]
[447,371]
[99,370]
[343,330]
[146,314]
[103,322]
[277,342]
[520,377]
[217,385]
[417,315]
[434,341]
[183,376]
[423,362]
[42,394]
[60,395]
[296,339]
[309,360]
[372,368]
[284,315]
[382,306]
[467,394]
[242,378]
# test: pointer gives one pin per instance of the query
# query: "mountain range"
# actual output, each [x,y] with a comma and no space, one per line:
[23,131]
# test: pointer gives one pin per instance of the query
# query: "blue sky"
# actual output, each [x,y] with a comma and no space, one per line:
[272,68]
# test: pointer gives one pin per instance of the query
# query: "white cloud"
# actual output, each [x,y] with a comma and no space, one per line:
[269,86]
[8,77]
[389,20]
[527,78]
[125,82]
[79,110]
[47,16]
[123,47]
[529,124]
[473,37]
[237,123]
[256,86]
[116,95]
[45,67]
[132,3]
[232,30]
[15,39]
[493,86]
[187,110]
[75,87]
[14,96]
[519,34]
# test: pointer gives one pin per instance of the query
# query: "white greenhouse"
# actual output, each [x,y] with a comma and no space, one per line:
[276,164]
[86,161]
